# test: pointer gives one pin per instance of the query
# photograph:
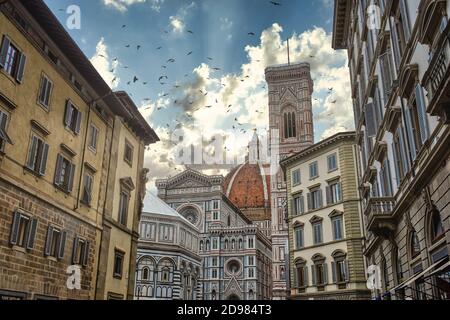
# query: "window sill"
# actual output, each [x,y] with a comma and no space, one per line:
[52,258]
[43,106]
[8,76]
[19,249]
[57,187]
[34,173]
[117,276]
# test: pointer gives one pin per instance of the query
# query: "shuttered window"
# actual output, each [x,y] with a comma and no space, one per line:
[317,233]
[118,264]
[45,91]
[123,207]
[334,193]
[12,61]
[37,155]
[296,178]
[65,173]
[337,228]
[55,242]
[299,241]
[4,138]
[23,230]
[88,183]
[93,137]
[298,204]
[72,118]
[80,251]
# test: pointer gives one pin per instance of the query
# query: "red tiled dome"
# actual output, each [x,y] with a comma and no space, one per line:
[248,187]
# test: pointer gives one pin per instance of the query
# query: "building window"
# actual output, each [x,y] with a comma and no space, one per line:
[334,194]
[4,138]
[290,125]
[251,244]
[418,118]
[301,274]
[299,240]
[12,60]
[251,272]
[119,257]
[298,205]
[72,118]
[313,170]
[216,215]
[88,182]
[123,207]
[128,153]
[401,163]
[45,91]
[437,229]
[64,175]
[37,155]
[332,162]
[80,251]
[215,244]
[93,137]
[337,228]
[319,271]
[317,233]
[296,178]
[339,268]
[315,200]
[414,244]
[214,274]
[55,242]
[216,204]
[23,232]
[386,178]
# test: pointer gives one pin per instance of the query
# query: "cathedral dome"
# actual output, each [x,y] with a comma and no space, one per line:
[248,187]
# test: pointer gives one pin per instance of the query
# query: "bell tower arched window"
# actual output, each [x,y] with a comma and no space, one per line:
[290,125]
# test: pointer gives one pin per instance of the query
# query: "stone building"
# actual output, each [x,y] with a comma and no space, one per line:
[236,256]
[62,137]
[399,63]
[325,229]
[291,130]
[168,261]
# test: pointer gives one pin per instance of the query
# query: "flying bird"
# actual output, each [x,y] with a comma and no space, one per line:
[275,3]
[159,48]
[162,77]
[251,34]
[189,53]
[135,79]
[171,60]
[189,31]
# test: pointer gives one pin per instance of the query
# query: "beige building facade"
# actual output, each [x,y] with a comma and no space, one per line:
[325,229]
[62,137]
[399,58]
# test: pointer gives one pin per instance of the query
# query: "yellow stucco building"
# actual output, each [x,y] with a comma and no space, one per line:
[71,166]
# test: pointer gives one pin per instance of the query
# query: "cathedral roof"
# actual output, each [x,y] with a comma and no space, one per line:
[248,187]
[159,207]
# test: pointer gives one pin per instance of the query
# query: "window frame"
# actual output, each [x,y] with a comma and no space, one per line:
[93,128]
[118,274]
[332,156]
[5,119]
[128,146]
[48,90]
[68,171]
[40,155]
[315,165]
[296,178]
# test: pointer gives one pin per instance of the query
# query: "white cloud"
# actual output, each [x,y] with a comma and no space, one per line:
[246,93]
[177,22]
[122,5]
[104,65]
[225,24]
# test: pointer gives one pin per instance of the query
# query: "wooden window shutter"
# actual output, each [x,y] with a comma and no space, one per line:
[410,133]
[346,273]
[71,177]
[308,196]
[320,198]
[85,257]
[405,19]
[4,51]
[15,228]
[68,113]
[48,241]
[74,251]
[21,69]
[325,273]
[3,134]
[43,164]
[314,274]
[396,164]
[78,125]
[32,153]
[370,120]
[62,244]
[421,114]
[305,277]
[333,271]
[31,236]
[59,163]
[328,194]
[293,207]
[302,204]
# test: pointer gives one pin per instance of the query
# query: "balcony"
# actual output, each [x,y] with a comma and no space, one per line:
[379,216]
[437,78]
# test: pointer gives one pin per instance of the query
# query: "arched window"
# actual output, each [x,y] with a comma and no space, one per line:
[233,244]
[319,271]
[251,295]
[207,245]
[229,221]
[414,244]
[290,125]
[339,268]
[201,245]
[225,245]
[166,269]
[301,274]
[241,244]
[436,227]
[145,273]
[213,295]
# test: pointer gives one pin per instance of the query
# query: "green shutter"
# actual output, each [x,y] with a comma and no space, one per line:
[31,236]
[15,228]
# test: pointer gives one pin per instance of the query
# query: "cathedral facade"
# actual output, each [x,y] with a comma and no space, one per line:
[236,255]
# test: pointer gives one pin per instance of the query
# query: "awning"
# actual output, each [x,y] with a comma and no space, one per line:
[439,270]
[418,276]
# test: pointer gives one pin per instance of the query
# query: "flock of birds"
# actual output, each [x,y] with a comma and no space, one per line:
[163,79]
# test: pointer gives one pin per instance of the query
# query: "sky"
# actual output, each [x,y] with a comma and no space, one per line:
[198,65]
